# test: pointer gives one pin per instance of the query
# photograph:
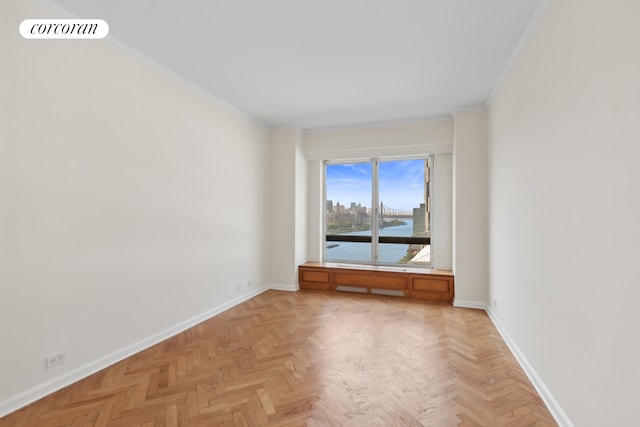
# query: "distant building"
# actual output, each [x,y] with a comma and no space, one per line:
[422,215]
[420,221]
[329,205]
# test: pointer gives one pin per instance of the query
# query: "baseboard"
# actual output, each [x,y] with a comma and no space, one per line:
[478,305]
[556,411]
[280,287]
[42,390]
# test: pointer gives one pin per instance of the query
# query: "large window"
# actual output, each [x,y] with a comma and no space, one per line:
[378,211]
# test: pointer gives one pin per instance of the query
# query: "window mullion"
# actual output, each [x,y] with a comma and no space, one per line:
[375,211]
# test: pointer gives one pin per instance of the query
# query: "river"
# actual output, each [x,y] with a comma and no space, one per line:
[389,252]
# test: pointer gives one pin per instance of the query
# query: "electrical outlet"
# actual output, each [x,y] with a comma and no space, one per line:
[56,359]
[249,284]
[495,303]
[238,287]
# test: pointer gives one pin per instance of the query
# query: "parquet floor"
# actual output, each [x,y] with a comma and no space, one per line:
[309,359]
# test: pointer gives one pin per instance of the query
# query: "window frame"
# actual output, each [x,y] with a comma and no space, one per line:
[375,239]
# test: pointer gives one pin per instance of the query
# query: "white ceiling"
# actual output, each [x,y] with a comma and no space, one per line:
[326,63]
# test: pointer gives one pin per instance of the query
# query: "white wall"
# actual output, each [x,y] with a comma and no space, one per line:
[442,216]
[470,207]
[288,229]
[130,202]
[301,206]
[315,200]
[564,207]
[403,139]
[379,141]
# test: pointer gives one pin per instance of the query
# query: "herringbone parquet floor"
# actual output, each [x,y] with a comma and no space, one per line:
[314,359]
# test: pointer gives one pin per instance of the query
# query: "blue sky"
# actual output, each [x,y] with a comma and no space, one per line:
[401,183]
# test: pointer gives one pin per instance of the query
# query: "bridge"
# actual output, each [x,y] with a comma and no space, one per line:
[389,212]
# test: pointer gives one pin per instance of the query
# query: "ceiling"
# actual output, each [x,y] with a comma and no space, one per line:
[326,63]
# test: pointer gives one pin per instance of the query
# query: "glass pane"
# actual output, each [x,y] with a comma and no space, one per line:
[349,251]
[348,210]
[405,211]
[396,253]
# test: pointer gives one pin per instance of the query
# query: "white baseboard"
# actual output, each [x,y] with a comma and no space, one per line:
[29,396]
[280,287]
[556,411]
[479,305]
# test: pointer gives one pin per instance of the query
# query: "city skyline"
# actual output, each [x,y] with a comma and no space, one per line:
[401,183]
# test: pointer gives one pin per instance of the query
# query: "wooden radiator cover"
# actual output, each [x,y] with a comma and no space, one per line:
[424,284]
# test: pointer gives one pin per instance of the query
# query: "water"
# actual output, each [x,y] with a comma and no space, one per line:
[388,252]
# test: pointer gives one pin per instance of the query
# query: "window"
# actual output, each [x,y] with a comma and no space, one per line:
[378,211]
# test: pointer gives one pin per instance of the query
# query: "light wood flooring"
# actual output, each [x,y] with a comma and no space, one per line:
[309,359]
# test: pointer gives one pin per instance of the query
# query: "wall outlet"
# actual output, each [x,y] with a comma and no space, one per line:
[249,284]
[238,287]
[495,303]
[56,359]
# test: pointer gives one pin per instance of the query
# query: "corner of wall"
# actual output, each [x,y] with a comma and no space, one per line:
[470,202]
[288,242]
[552,404]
